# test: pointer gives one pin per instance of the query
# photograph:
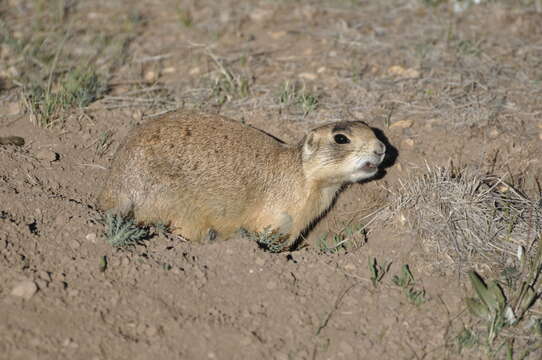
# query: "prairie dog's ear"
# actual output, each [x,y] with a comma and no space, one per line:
[310,145]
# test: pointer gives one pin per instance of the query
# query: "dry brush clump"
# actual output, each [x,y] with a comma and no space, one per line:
[468,216]
[479,221]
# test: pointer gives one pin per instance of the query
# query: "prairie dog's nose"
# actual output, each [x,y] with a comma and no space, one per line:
[380,148]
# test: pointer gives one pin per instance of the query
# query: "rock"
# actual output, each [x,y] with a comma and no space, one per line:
[277,34]
[402,124]
[540,136]
[271,285]
[150,76]
[260,14]
[408,142]
[47,155]
[91,237]
[494,133]
[25,289]
[350,267]
[308,76]
[259,261]
[400,71]
[169,70]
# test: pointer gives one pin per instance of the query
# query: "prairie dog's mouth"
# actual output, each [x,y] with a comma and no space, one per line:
[368,166]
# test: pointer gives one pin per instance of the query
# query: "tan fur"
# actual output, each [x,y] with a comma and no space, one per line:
[200,172]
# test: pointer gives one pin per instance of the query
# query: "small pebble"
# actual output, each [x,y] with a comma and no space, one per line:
[259,261]
[260,14]
[308,76]
[277,34]
[408,142]
[402,72]
[494,133]
[91,237]
[350,267]
[25,289]
[402,124]
[150,76]
[47,155]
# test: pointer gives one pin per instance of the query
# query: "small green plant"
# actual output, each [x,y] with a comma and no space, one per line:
[185,17]
[78,88]
[466,339]
[104,143]
[378,271]
[288,95]
[490,305]
[161,228]
[498,312]
[406,281]
[349,237]
[291,94]
[268,239]
[309,103]
[335,244]
[121,231]
[228,85]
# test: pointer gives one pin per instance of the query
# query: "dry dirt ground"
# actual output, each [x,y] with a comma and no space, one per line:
[442,85]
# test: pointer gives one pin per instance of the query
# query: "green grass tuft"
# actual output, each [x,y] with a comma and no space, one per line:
[78,88]
[122,231]
[269,240]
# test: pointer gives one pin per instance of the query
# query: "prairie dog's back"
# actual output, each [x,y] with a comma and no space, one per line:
[197,158]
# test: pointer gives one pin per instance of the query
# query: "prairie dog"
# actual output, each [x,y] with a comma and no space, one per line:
[203,173]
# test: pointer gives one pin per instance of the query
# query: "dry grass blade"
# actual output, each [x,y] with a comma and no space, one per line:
[468,215]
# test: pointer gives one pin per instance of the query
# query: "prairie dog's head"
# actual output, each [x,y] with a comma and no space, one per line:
[346,151]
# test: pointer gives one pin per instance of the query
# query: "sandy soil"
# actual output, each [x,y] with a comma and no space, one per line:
[442,86]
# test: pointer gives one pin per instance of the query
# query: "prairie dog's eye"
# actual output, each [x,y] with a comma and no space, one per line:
[341,139]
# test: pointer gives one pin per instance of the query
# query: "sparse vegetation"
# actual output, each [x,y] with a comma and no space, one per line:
[378,271]
[121,231]
[349,237]
[292,94]
[405,280]
[104,143]
[228,85]
[284,66]
[78,88]
[269,240]
[505,309]
[468,215]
